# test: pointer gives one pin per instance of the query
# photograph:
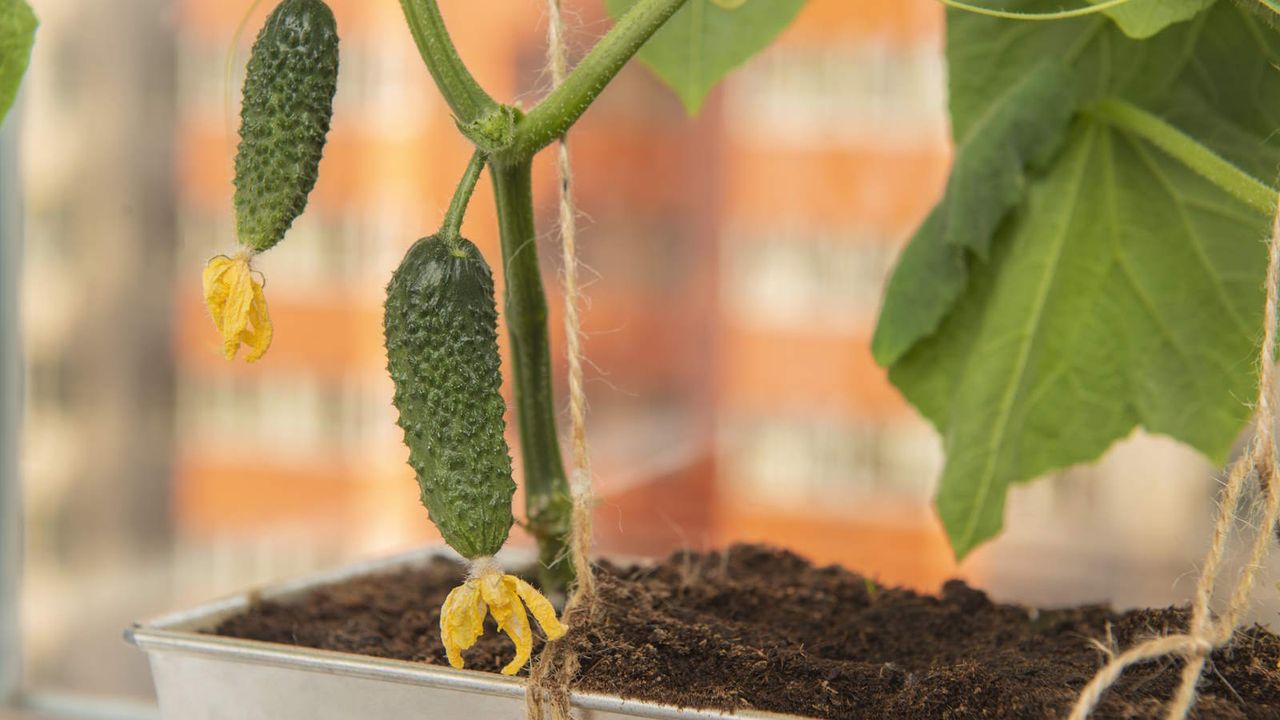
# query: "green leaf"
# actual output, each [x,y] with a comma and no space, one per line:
[17,34]
[1143,18]
[1124,289]
[987,181]
[706,39]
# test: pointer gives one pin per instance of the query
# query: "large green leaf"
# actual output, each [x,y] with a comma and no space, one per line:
[17,34]
[706,39]
[1144,18]
[1123,289]
[1026,120]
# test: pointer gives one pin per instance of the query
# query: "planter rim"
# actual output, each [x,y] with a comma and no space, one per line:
[180,632]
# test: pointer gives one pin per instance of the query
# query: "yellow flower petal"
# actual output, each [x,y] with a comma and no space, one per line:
[215,290]
[238,306]
[505,597]
[461,621]
[506,608]
[259,338]
[517,628]
[541,609]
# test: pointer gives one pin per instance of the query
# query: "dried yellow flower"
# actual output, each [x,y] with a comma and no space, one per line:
[509,599]
[238,306]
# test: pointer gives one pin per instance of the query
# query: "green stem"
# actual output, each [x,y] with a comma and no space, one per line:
[547,501]
[1188,151]
[451,229]
[468,100]
[560,109]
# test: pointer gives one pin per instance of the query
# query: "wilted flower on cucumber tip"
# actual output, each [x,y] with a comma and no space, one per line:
[237,304]
[488,591]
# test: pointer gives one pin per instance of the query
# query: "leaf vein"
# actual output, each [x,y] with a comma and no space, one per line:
[1199,251]
[997,441]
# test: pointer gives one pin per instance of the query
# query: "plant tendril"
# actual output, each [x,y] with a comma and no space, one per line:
[229,69]
[1015,15]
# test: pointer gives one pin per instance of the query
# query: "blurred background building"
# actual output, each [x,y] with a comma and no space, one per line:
[736,263]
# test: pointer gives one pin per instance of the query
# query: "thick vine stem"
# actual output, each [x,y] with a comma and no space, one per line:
[468,100]
[548,505]
[560,109]
[451,228]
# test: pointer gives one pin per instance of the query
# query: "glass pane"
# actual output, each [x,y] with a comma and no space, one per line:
[736,262]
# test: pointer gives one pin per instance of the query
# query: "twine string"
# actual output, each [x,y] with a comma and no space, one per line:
[580,479]
[552,674]
[1258,463]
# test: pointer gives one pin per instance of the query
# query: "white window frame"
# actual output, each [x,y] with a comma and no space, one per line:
[13,696]
[10,413]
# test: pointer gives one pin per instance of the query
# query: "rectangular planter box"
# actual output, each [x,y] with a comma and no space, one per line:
[207,677]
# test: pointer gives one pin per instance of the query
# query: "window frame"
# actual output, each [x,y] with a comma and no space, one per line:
[13,694]
[11,381]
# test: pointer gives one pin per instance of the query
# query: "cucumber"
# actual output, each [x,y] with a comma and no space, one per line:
[284,120]
[442,352]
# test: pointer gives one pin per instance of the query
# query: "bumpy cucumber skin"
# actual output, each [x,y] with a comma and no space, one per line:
[442,352]
[284,119]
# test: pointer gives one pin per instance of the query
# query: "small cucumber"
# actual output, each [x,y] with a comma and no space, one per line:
[284,119]
[442,352]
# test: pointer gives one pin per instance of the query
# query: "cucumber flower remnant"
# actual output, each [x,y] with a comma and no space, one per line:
[238,306]
[506,597]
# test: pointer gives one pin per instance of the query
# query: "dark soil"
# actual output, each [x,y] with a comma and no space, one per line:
[755,627]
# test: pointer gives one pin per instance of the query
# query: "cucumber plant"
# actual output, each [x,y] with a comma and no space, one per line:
[440,320]
[1093,265]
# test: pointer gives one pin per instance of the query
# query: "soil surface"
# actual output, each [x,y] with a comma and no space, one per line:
[756,627]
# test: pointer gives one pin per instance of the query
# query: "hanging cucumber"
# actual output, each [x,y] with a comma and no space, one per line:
[442,353]
[284,121]
[441,331]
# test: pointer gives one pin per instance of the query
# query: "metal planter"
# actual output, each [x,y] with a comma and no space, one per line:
[207,677]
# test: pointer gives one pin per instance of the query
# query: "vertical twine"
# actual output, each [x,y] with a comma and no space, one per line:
[550,678]
[580,478]
[1205,633]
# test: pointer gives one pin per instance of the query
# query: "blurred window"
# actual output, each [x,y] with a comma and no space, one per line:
[863,91]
